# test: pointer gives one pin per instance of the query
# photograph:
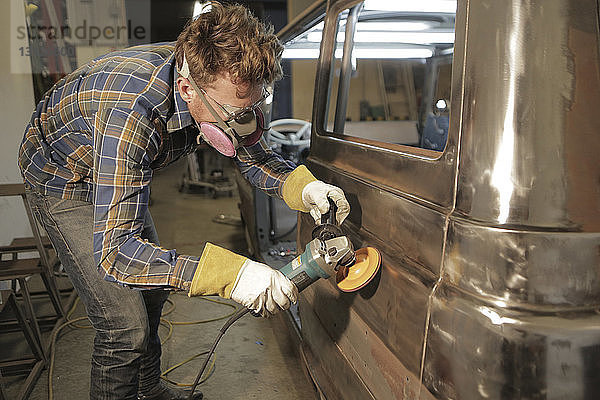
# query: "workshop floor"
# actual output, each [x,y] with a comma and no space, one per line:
[255,359]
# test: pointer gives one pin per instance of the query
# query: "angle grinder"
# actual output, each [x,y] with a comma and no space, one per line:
[329,253]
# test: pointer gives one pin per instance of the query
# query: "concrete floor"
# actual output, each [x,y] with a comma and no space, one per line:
[255,359]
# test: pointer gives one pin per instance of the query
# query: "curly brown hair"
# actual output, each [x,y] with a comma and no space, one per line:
[228,38]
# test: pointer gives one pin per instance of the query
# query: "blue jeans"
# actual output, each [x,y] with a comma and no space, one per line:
[126,355]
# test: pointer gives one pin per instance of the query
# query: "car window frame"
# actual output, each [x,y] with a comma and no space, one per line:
[429,164]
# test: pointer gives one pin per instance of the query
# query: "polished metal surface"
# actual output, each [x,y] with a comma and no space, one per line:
[529,152]
[476,350]
[490,278]
[515,314]
[530,269]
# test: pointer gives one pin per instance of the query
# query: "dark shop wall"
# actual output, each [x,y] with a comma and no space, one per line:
[168,17]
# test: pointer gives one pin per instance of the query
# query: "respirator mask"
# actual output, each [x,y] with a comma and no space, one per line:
[242,126]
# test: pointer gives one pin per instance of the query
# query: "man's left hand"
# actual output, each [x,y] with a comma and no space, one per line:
[315,197]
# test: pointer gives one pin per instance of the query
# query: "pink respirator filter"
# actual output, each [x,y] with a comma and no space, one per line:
[217,139]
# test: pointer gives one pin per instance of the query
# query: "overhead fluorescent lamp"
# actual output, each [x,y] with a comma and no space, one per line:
[391,37]
[383,54]
[426,6]
[378,53]
[300,53]
[401,37]
[314,37]
[392,26]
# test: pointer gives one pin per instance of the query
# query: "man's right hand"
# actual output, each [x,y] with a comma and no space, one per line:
[263,289]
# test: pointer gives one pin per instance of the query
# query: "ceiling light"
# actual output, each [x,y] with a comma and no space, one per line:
[431,6]
[393,26]
[314,36]
[391,37]
[300,53]
[380,53]
[401,37]
[383,53]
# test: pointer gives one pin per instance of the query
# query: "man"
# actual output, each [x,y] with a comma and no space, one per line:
[87,159]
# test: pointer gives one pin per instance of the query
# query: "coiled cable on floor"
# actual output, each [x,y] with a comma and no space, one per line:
[235,316]
[163,321]
[203,321]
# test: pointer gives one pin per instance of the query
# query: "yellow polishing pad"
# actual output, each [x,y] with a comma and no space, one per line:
[358,275]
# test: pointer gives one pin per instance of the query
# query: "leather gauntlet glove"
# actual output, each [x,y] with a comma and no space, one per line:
[303,192]
[256,286]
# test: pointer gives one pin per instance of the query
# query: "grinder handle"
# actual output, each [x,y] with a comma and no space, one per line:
[329,216]
[302,281]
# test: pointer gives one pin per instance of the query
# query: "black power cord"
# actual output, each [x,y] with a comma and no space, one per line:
[239,314]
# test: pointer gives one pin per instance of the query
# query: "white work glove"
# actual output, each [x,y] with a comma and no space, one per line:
[263,289]
[314,197]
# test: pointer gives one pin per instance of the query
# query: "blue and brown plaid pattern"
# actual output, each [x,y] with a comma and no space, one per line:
[99,134]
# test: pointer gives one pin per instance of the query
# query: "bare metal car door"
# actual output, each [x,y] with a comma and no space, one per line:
[489,231]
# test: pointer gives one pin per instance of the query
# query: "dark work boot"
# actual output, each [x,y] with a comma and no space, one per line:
[164,392]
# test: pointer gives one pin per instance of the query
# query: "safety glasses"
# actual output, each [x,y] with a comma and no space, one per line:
[238,114]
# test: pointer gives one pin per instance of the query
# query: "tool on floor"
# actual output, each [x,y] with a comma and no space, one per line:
[329,253]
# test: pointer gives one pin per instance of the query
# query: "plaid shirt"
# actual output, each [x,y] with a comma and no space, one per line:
[99,134]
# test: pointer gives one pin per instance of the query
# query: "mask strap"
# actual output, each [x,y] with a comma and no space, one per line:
[185,72]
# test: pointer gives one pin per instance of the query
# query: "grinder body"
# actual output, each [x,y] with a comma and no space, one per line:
[320,259]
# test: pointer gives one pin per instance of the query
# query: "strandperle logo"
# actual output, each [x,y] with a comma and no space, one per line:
[82,32]
[55,37]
